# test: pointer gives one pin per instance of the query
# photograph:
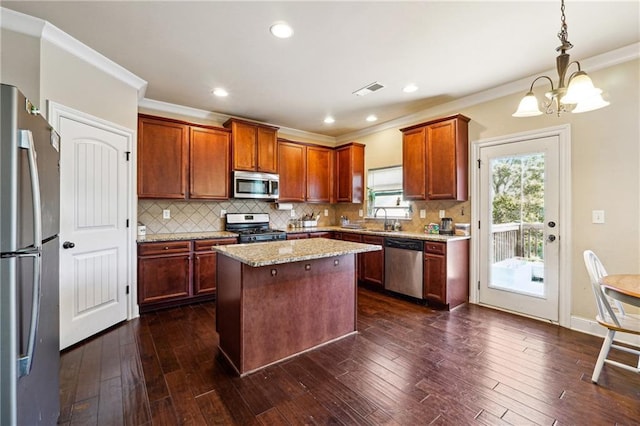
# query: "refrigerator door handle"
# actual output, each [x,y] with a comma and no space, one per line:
[26,142]
[25,361]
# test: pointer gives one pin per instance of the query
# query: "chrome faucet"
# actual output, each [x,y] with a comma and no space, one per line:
[387,225]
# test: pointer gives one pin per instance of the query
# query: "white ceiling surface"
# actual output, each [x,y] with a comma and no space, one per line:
[449,49]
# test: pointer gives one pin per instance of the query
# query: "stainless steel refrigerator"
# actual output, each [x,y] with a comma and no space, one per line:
[29,248]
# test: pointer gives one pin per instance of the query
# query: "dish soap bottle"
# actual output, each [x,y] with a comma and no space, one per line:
[397,226]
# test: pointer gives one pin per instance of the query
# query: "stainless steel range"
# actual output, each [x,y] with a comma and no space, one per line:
[253,227]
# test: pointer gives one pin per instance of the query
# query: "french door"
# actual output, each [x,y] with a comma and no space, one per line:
[520,226]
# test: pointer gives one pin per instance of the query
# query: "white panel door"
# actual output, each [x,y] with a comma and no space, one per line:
[94,174]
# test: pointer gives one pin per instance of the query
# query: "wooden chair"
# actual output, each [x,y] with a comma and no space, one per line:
[614,320]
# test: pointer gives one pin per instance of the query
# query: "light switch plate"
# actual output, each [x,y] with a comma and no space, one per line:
[326,212]
[423,213]
[166,214]
[223,212]
[597,216]
[442,213]
[360,213]
[293,213]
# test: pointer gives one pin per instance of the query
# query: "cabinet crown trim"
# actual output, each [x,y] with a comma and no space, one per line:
[438,120]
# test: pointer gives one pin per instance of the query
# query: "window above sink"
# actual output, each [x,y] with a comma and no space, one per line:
[384,190]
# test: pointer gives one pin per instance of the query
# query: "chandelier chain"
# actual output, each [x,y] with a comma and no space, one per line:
[563,34]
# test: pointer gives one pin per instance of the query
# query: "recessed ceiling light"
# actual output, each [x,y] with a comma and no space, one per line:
[329,120]
[219,91]
[409,88]
[281,30]
[372,118]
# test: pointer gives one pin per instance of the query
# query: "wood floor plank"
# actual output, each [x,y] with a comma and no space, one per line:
[110,401]
[162,412]
[213,409]
[184,402]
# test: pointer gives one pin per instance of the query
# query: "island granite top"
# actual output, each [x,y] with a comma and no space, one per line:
[277,252]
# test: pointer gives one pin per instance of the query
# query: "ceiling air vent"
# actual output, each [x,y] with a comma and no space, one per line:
[369,88]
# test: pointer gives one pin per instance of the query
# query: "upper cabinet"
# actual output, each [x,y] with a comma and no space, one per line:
[435,158]
[209,156]
[305,172]
[254,146]
[163,158]
[319,174]
[179,160]
[349,173]
[292,171]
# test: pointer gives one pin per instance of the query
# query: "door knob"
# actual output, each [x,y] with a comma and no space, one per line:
[68,245]
[551,238]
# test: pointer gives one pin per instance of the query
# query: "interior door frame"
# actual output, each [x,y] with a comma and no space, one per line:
[563,133]
[55,112]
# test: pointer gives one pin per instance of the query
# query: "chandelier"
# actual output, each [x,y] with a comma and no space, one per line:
[575,94]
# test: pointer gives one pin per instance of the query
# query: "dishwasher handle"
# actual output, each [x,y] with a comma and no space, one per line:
[405,244]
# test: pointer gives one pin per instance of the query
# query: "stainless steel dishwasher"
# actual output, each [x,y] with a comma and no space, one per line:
[403,265]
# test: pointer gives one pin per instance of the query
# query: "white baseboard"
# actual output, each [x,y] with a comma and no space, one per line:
[590,326]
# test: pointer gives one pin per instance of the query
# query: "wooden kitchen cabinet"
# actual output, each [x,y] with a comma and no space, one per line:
[349,173]
[205,265]
[298,236]
[446,273]
[164,272]
[163,158]
[320,234]
[319,174]
[373,262]
[435,159]
[177,272]
[414,164]
[209,157]
[292,171]
[254,146]
[356,238]
[180,160]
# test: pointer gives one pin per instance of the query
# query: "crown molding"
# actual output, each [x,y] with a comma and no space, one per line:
[595,63]
[201,114]
[36,27]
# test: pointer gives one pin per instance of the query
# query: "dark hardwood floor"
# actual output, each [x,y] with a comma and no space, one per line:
[408,365]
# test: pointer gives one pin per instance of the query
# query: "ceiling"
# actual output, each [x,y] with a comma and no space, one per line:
[449,49]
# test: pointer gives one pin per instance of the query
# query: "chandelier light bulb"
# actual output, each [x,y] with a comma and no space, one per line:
[580,88]
[528,106]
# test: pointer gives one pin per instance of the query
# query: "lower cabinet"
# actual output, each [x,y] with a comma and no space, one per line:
[298,236]
[370,264]
[176,272]
[373,262]
[204,265]
[446,273]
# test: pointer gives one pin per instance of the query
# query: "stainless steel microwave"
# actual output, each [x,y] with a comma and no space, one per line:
[257,185]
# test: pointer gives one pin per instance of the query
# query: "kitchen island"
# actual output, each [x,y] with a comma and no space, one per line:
[278,299]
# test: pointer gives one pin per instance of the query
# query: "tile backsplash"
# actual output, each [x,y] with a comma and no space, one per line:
[204,216]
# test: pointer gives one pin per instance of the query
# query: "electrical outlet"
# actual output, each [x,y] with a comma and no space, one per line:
[360,213]
[423,214]
[293,213]
[597,216]
[442,213]
[326,212]
[223,212]
[166,214]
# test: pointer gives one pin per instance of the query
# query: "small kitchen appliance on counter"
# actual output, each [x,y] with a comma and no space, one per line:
[446,226]
[253,228]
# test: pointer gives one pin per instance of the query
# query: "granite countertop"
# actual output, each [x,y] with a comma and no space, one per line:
[382,233]
[277,252]
[149,238]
